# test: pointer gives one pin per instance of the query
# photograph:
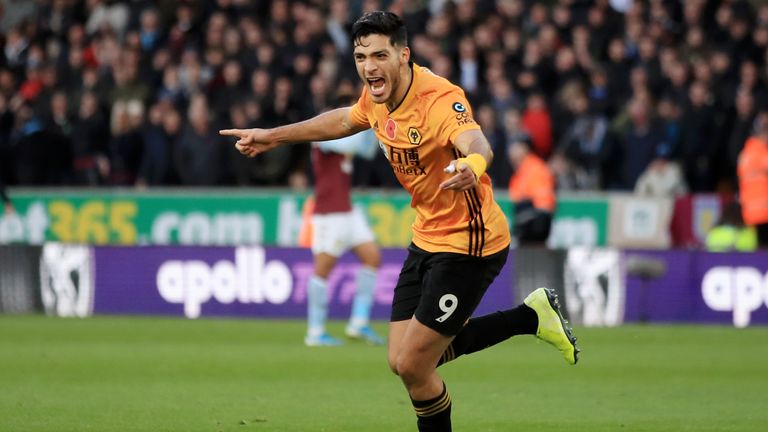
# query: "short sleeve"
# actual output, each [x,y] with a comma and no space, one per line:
[451,115]
[360,111]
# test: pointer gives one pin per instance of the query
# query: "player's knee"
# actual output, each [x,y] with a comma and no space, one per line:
[392,360]
[374,261]
[408,371]
[371,260]
[393,366]
[369,255]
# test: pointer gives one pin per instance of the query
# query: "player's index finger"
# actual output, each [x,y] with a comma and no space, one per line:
[230,132]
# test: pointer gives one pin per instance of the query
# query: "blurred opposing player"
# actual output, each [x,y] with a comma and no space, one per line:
[460,235]
[336,228]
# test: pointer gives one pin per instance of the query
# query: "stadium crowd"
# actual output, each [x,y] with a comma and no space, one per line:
[128,93]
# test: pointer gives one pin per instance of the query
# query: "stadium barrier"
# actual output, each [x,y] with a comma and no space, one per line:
[608,287]
[20,279]
[193,282]
[599,286]
[267,217]
[272,217]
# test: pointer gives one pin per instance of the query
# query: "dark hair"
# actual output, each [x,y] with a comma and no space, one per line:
[380,23]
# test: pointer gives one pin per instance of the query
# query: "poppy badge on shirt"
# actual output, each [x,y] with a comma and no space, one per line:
[390,129]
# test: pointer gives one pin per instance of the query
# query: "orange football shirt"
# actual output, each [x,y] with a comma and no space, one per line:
[417,137]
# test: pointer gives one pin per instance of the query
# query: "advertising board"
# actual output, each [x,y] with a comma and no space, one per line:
[241,281]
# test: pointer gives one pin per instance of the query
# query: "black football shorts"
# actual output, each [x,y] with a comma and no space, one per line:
[443,289]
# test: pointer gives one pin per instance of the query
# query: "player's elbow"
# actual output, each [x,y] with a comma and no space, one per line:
[346,126]
[346,122]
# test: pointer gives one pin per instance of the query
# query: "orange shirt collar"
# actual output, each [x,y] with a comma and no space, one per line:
[410,91]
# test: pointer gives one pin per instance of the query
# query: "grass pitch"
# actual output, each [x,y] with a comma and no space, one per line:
[146,374]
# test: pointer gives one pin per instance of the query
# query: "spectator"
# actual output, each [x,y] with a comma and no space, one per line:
[753,179]
[695,43]
[90,135]
[194,77]
[198,152]
[642,142]
[506,54]
[730,234]
[104,16]
[739,35]
[638,81]
[241,167]
[670,117]
[59,120]
[738,131]
[16,48]
[171,88]
[261,86]
[469,65]
[127,84]
[126,147]
[43,156]
[290,161]
[532,190]
[537,121]
[677,77]
[663,179]
[723,75]
[600,99]
[500,170]
[232,89]
[565,108]
[339,25]
[161,129]
[150,33]
[503,96]
[617,69]
[43,102]
[697,140]
[567,67]
[648,59]
[583,151]
[8,85]
[749,80]
[70,73]
[536,71]
[7,120]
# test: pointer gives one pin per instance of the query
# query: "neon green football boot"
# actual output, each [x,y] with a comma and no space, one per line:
[553,328]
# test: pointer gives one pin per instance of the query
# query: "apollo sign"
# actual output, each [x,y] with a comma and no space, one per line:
[741,290]
[250,278]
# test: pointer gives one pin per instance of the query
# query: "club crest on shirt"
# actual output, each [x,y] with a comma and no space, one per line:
[414,136]
[390,129]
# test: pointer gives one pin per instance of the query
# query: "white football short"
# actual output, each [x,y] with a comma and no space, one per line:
[335,233]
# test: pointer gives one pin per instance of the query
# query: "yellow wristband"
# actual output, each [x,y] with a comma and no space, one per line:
[476,162]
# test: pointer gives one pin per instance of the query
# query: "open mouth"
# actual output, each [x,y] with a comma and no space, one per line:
[376,85]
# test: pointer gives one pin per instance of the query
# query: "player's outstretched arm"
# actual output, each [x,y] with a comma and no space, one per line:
[477,157]
[326,126]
